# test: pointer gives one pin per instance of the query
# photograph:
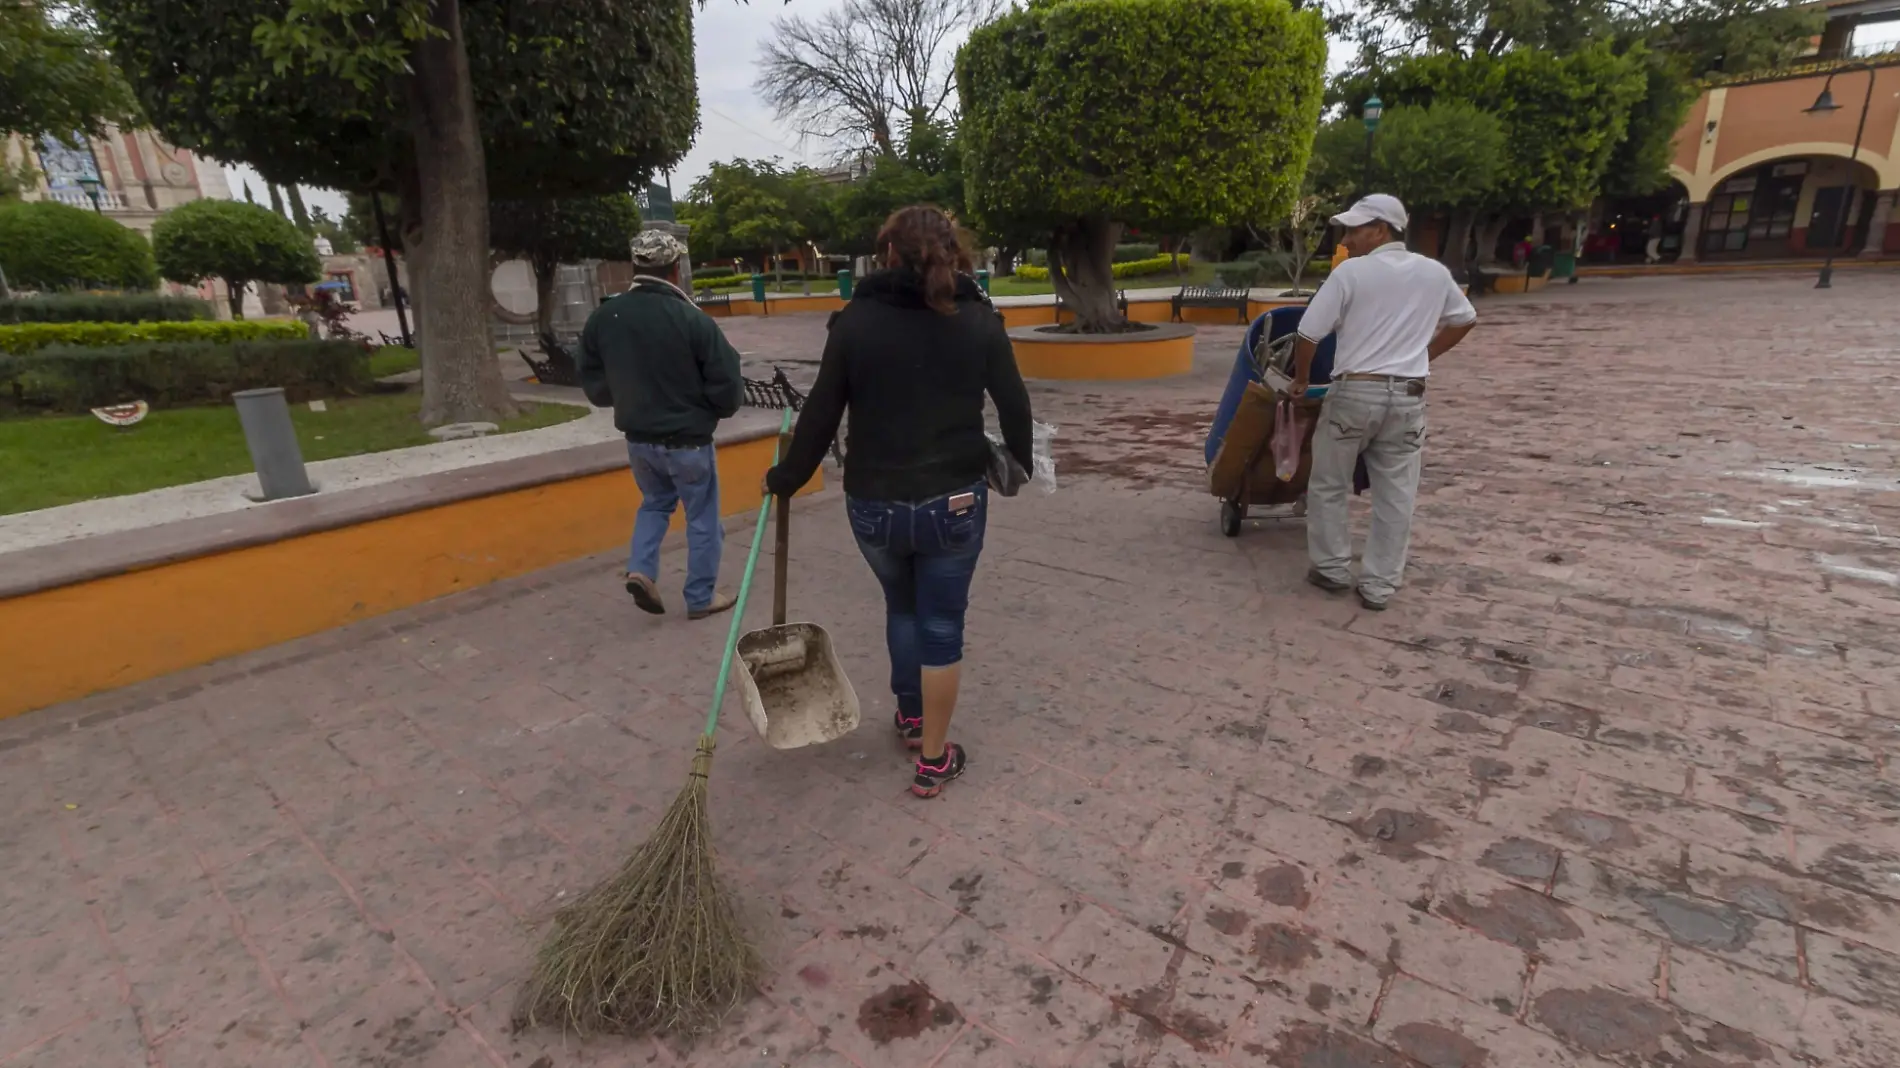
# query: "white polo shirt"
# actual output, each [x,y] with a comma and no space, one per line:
[1385,306]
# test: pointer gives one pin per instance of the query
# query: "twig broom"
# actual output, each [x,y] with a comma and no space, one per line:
[659,946]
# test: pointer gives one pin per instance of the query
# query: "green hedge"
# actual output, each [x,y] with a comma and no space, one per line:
[1138,250]
[103,308]
[177,374]
[1130,269]
[26,337]
[720,281]
[1243,274]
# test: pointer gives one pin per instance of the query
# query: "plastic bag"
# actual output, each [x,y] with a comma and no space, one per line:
[1286,440]
[1042,480]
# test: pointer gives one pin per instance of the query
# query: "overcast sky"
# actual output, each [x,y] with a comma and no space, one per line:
[732,122]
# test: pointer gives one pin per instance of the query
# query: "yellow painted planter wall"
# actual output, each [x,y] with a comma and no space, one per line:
[71,641]
[1117,362]
[1517,283]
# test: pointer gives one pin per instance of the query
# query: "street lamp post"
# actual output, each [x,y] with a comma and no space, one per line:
[1822,105]
[389,264]
[1373,109]
[91,184]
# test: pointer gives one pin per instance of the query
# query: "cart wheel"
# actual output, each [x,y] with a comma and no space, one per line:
[1230,517]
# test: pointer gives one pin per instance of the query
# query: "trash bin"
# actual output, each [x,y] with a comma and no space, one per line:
[758,288]
[1563,265]
[983,279]
[844,285]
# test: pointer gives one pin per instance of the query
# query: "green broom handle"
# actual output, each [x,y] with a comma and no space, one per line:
[745,588]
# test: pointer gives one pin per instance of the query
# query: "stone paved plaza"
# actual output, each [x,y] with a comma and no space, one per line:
[1611,784]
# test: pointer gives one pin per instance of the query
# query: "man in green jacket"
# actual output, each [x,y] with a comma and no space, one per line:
[669,375]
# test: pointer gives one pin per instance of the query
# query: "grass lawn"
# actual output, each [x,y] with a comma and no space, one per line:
[392,360]
[52,460]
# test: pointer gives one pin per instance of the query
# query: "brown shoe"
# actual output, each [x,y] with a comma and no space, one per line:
[645,594]
[721,602]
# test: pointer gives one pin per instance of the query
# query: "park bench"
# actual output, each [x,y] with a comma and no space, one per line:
[1211,297]
[778,395]
[1121,304]
[708,301]
[558,367]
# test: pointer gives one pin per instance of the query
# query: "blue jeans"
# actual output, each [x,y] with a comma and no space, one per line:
[668,477]
[924,555]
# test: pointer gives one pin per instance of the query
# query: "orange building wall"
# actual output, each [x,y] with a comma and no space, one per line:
[1761,117]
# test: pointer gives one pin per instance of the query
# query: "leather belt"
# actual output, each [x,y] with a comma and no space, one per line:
[1413,386]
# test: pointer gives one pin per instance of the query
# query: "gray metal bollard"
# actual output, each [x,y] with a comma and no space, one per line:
[273,443]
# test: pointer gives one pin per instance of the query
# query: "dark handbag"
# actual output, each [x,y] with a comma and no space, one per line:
[1005,476]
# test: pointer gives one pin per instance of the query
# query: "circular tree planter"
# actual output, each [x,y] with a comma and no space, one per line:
[1164,351]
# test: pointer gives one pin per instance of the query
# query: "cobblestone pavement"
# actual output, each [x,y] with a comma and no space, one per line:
[1611,784]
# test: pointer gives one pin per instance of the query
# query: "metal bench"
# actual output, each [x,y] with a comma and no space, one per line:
[714,300]
[1121,304]
[778,395]
[557,367]
[1211,297]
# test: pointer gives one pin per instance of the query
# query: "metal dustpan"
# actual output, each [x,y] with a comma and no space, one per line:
[794,688]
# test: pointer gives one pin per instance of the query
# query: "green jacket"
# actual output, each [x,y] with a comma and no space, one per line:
[661,364]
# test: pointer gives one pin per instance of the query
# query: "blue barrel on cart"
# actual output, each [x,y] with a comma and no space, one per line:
[1274,325]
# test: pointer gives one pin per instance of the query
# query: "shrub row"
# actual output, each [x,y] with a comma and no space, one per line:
[1124,253]
[174,374]
[103,308]
[721,281]
[26,337]
[1130,269]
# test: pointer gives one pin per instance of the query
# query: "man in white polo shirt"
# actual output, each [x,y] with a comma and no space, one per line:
[1394,312]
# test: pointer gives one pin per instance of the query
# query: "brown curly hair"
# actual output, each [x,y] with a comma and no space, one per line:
[923,238]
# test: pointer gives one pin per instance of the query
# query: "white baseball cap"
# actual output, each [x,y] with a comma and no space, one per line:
[1379,207]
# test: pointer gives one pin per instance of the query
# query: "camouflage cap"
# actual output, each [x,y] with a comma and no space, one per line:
[654,249]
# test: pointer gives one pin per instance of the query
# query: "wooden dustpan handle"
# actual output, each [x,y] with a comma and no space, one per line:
[782,543]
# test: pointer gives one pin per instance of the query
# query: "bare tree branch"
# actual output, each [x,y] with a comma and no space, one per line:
[861,75]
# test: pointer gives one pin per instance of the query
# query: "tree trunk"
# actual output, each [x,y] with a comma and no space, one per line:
[778,271]
[1488,232]
[461,380]
[298,213]
[1457,241]
[545,275]
[234,294]
[1081,264]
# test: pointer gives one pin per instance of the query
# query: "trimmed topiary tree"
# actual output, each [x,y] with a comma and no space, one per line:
[51,246]
[1081,117]
[238,242]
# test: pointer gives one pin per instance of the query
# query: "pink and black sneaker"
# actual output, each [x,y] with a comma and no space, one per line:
[910,729]
[933,774]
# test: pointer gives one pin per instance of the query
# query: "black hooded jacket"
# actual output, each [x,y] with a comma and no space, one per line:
[914,380]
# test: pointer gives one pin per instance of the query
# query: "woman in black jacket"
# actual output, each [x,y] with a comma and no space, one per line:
[912,357]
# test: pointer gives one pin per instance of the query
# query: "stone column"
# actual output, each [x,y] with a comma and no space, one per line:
[1877,224]
[1691,232]
[678,232]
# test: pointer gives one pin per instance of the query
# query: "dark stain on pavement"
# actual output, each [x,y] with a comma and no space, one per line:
[1514,915]
[1563,719]
[1397,833]
[1593,829]
[1606,1022]
[1704,925]
[1283,948]
[1365,764]
[1522,858]
[1283,884]
[1319,997]
[1439,1047]
[904,1011]
[1487,770]
[1460,723]
[814,975]
[1042,990]
[1233,869]
[1858,868]
[1311,1045]
[1151,1006]
[1483,700]
[1229,922]
[965,889]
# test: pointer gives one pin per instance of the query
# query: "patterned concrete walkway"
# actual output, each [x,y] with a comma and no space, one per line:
[1612,784]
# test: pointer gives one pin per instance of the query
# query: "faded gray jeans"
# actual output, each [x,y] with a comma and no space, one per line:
[1386,424]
